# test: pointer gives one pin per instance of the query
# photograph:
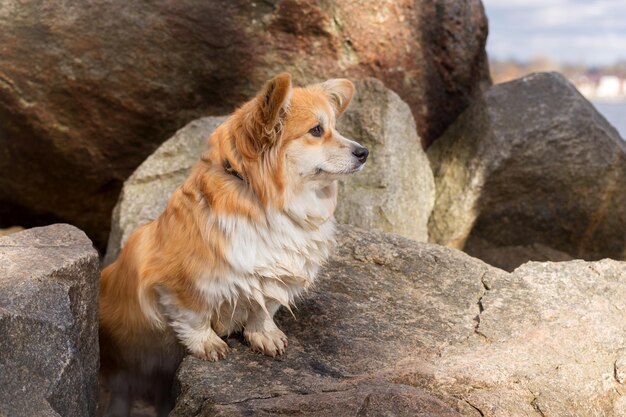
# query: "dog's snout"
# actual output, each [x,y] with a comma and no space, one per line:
[361,153]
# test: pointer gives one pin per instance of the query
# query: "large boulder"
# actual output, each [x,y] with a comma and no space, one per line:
[405,328]
[531,163]
[87,93]
[48,323]
[394,192]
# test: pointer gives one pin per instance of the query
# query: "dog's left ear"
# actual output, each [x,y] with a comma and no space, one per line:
[340,92]
[272,103]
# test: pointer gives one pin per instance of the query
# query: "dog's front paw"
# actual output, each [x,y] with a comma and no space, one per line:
[212,350]
[268,342]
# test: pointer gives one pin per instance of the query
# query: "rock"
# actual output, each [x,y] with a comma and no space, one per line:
[381,300]
[48,322]
[532,163]
[395,192]
[145,193]
[371,398]
[394,324]
[551,333]
[87,93]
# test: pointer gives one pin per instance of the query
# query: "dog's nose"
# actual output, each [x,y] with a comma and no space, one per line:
[361,153]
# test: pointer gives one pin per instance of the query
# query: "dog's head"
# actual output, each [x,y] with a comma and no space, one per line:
[288,139]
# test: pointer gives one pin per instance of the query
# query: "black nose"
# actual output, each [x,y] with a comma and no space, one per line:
[361,153]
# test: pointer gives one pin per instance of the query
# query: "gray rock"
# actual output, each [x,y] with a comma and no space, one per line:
[49,323]
[145,193]
[533,162]
[419,329]
[381,300]
[396,191]
[369,398]
[551,333]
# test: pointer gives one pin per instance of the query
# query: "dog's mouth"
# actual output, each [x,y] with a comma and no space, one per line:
[347,171]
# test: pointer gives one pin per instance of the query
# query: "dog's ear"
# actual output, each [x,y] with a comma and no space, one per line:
[272,103]
[340,92]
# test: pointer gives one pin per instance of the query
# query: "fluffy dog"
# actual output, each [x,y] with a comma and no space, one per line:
[244,234]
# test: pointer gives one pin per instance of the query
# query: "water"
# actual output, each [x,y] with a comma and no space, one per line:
[615,113]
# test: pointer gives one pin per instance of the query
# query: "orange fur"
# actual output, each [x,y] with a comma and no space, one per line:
[190,247]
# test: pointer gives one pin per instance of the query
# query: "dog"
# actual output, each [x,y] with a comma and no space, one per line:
[246,233]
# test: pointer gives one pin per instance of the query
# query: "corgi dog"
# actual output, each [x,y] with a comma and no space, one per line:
[244,234]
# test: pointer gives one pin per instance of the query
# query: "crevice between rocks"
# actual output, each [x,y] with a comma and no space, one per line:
[481,308]
[475,408]
[245,400]
[363,407]
[536,407]
[267,397]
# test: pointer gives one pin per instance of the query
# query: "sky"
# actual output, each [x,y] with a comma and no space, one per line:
[591,32]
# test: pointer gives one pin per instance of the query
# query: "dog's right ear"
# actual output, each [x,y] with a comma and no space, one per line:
[339,91]
[272,104]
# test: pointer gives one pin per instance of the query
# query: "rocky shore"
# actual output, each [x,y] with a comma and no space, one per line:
[480,268]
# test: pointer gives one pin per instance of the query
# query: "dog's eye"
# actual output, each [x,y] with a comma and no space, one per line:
[317,131]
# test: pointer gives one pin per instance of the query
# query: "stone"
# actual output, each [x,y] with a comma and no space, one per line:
[371,398]
[550,335]
[395,192]
[87,93]
[531,163]
[49,323]
[420,329]
[381,300]
[146,192]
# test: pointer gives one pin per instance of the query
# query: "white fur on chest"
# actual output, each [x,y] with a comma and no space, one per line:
[276,248]
[274,258]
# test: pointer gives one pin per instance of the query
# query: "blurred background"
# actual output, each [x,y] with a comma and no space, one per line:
[583,39]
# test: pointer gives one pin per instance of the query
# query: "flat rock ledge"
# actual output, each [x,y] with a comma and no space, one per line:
[48,323]
[397,327]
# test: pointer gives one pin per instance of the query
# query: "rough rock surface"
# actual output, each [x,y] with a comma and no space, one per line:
[88,92]
[48,323]
[145,193]
[419,329]
[533,162]
[395,192]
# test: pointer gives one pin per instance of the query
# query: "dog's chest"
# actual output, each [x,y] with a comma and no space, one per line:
[277,247]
